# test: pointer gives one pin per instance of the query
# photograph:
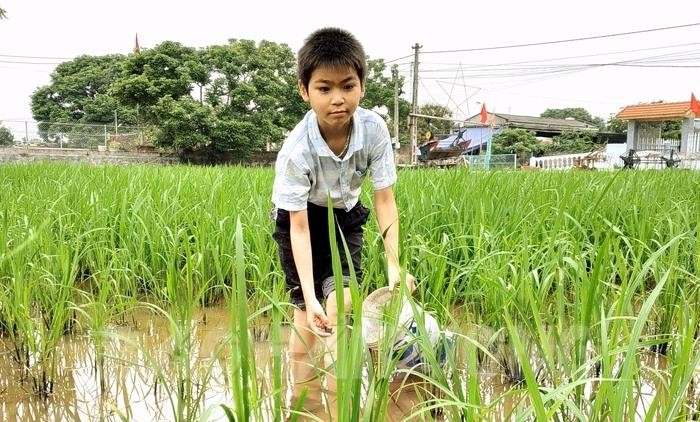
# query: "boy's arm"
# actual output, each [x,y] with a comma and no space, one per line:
[301,249]
[388,219]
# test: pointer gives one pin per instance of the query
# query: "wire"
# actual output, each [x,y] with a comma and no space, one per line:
[39,63]
[36,57]
[619,34]
[558,58]
[400,58]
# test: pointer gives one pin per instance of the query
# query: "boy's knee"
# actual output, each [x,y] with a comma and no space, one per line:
[332,305]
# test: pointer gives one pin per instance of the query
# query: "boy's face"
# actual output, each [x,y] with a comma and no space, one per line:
[333,94]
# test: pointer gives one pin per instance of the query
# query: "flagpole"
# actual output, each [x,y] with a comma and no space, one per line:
[488,145]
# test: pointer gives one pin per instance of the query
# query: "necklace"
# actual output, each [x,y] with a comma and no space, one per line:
[347,143]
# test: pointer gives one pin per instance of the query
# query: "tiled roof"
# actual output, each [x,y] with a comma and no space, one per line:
[543,122]
[536,123]
[656,112]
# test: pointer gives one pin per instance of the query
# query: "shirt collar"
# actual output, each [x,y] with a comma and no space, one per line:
[320,144]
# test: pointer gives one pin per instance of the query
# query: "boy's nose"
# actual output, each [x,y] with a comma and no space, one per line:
[337,98]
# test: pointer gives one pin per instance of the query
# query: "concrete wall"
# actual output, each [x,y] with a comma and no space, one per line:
[262,158]
[29,154]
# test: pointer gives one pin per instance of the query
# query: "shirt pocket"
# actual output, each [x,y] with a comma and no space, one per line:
[358,176]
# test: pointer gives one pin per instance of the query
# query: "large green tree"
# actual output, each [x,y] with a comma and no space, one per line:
[155,73]
[234,97]
[578,113]
[253,94]
[521,142]
[79,93]
[3,14]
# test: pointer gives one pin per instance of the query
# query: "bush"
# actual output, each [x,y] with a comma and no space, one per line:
[573,142]
[6,137]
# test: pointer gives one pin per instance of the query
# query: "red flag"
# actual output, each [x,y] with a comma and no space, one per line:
[484,114]
[694,105]
[137,49]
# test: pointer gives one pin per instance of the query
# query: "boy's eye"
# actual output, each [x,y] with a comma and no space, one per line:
[323,89]
[350,87]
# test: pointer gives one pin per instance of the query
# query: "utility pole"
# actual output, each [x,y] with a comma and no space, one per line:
[395,77]
[116,130]
[414,105]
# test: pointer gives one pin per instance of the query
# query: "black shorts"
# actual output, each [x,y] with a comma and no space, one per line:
[352,225]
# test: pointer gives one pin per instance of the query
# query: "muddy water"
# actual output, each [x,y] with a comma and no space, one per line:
[137,381]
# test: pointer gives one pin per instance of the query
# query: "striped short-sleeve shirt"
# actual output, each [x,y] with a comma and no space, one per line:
[308,171]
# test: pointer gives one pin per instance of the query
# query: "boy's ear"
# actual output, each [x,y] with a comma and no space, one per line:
[303,91]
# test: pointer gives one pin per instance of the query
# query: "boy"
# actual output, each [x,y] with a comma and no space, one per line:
[330,152]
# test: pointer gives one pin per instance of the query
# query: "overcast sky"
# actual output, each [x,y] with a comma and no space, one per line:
[459,80]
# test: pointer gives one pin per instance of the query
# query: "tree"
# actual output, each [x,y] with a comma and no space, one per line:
[234,97]
[435,126]
[153,74]
[573,142]
[380,92]
[183,123]
[253,93]
[521,142]
[577,113]
[6,137]
[616,126]
[79,92]
[3,14]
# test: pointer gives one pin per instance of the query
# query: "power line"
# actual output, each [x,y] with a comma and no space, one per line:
[551,59]
[33,63]
[36,57]
[400,58]
[619,34]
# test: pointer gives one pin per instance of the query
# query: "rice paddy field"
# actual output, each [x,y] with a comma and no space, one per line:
[155,293]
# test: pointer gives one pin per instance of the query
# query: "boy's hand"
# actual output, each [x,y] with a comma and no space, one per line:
[395,280]
[316,318]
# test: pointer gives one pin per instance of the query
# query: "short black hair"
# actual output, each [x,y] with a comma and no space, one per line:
[334,48]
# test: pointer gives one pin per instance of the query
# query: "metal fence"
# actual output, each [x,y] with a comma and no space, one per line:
[75,135]
[657,144]
[492,162]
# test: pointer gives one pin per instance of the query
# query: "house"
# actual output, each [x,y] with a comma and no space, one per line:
[547,127]
[639,114]
[542,126]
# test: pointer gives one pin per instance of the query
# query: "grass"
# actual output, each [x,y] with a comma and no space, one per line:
[581,275]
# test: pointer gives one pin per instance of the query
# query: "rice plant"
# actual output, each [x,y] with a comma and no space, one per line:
[573,284]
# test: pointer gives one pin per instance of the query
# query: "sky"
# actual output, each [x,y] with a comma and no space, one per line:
[659,65]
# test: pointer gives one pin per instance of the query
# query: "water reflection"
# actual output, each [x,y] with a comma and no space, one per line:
[135,378]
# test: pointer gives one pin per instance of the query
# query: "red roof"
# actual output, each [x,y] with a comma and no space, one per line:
[656,111]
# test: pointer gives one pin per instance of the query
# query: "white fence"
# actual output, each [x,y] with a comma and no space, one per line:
[694,142]
[610,161]
[600,160]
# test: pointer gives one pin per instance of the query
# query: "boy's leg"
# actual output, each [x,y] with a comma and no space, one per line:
[301,341]
[331,354]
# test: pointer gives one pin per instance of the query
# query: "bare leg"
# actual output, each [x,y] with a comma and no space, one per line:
[330,353]
[301,341]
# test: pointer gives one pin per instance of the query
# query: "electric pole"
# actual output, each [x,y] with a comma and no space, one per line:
[395,77]
[414,106]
